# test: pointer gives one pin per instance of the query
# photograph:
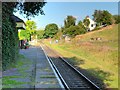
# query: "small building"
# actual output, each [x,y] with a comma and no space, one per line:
[20,23]
[92,24]
[20,26]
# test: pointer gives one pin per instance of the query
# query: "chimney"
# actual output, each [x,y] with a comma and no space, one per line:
[87,16]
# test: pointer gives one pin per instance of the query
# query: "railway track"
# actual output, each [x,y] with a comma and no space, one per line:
[70,77]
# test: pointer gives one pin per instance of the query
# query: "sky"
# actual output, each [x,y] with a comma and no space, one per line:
[56,12]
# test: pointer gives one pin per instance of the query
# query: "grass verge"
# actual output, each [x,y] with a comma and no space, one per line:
[98,57]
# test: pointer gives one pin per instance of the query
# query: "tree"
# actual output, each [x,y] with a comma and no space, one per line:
[30,8]
[107,18]
[40,34]
[116,18]
[31,27]
[74,30]
[50,30]
[86,22]
[80,24]
[97,16]
[70,21]
[102,17]
[24,35]
[58,36]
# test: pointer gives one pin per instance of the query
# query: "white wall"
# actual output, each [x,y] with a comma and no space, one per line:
[20,24]
[92,24]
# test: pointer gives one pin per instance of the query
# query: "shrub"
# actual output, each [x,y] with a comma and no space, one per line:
[74,30]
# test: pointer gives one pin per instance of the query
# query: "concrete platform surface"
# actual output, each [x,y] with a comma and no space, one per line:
[44,75]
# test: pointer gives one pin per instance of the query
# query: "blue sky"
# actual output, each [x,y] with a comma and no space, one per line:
[56,12]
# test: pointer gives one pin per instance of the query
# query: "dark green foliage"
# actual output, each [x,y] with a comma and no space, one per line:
[9,31]
[116,18]
[70,21]
[9,38]
[74,30]
[71,29]
[0,35]
[107,18]
[97,16]
[80,23]
[31,8]
[0,13]
[50,30]
[103,17]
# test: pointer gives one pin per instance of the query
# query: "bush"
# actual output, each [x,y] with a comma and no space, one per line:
[74,30]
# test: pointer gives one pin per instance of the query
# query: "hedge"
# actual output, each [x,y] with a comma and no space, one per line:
[9,37]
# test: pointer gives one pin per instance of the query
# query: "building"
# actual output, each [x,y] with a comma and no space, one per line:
[20,23]
[20,26]
[92,24]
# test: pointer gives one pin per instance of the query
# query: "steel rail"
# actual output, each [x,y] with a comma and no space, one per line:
[72,67]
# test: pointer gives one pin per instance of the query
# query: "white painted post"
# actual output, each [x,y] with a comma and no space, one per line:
[36,39]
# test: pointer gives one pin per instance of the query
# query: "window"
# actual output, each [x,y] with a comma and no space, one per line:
[91,25]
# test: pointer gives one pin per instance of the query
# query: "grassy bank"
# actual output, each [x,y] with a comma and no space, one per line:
[99,57]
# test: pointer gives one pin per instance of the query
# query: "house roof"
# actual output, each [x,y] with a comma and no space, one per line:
[17,19]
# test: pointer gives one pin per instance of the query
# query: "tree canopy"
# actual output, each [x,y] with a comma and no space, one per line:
[24,35]
[50,30]
[116,18]
[69,21]
[103,17]
[31,26]
[27,8]
[71,29]
[80,22]
[30,8]
[74,30]
[30,30]
[40,34]
[86,22]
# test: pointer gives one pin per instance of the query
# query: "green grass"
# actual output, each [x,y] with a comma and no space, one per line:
[8,83]
[22,65]
[100,58]
[47,76]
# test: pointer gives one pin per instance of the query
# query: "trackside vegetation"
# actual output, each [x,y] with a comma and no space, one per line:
[98,57]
